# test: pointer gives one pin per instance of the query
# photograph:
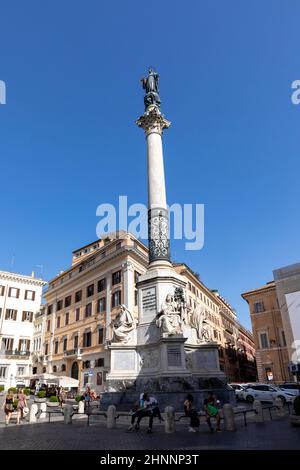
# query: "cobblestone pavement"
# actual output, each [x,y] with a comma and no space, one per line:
[275,434]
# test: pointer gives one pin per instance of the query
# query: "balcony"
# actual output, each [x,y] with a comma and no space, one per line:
[15,353]
[71,353]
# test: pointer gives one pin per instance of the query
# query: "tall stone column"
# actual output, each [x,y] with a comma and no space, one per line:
[153,123]
[128,285]
[108,307]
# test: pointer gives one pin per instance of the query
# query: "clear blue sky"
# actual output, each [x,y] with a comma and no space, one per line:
[68,141]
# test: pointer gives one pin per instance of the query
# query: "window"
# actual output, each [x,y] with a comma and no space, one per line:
[48,325]
[101,305]
[87,339]
[189,286]
[44,370]
[116,298]
[136,297]
[100,336]
[58,322]
[8,343]
[65,344]
[264,343]
[90,290]
[46,349]
[63,367]
[68,301]
[3,372]
[27,316]
[56,347]
[258,307]
[76,342]
[88,310]
[116,278]
[54,368]
[59,305]
[50,309]
[99,362]
[118,245]
[283,338]
[11,314]
[136,276]
[67,318]
[29,295]
[21,370]
[77,314]
[85,379]
[14,292]
[101,285]
[269,375]
[86,364]
[2,289]
[78,296]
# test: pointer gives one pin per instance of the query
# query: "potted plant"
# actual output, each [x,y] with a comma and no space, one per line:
[53,401]
[295,417]
[41,397]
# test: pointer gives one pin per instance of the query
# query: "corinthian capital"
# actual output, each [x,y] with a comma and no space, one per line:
[153,121]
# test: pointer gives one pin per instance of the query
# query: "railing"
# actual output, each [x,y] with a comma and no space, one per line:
[14,352]
[72,352]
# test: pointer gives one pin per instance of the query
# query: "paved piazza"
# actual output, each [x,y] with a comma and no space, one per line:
[276,434]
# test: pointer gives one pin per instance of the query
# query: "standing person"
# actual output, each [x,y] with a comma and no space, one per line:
[211,410]
[87,398]
[61,396]
[190,411]
[8,406]
[22,403]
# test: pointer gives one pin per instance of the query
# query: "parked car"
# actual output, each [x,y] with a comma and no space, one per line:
[239,390]
[263,392]
[291,387]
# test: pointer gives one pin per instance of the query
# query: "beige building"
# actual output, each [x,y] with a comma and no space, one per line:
[269,335]
[81,304]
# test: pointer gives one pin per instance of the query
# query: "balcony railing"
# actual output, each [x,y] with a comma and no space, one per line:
[15,352]
[73,352]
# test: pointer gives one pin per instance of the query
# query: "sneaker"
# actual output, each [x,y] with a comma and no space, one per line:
[131,428]
[192,429]
[137,427]
[161,420]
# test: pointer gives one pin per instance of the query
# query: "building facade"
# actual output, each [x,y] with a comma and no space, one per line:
[81,304]
[287,282]
[269,335]
[20,300]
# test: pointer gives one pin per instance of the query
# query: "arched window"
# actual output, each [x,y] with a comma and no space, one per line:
[63,367]
[54,368]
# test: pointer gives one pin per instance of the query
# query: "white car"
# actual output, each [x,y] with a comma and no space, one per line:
[239,390]
[291,387]
[262,392]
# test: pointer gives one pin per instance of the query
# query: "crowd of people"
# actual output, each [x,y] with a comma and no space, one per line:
[147,407]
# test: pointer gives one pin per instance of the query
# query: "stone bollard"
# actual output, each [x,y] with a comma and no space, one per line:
[81,407]
[68,412]
[170,420]
[33,411]
[111,417]
[43,408]
[279,407]
[228,414]
[259,415]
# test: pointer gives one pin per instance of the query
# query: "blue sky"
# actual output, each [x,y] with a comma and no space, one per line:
[68,141]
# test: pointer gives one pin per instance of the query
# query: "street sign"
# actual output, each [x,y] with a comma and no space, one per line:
[91,372]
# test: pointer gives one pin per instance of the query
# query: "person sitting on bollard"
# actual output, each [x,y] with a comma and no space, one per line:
[190,411]
[211,411]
